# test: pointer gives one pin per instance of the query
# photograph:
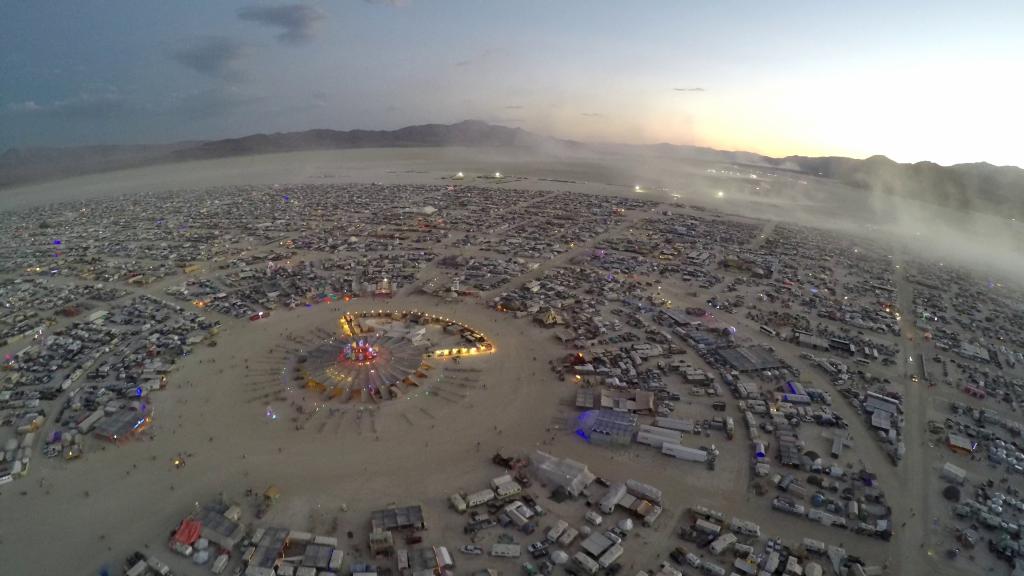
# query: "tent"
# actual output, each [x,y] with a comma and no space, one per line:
[188,532]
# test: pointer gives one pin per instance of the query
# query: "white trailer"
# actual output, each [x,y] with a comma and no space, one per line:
[610,556]
[506,550]
[814,546]
[677,424]
[665,433]
[611,498]
[156,565]
[586,563]
[722,543]
[138,569]
[745,527]
[508,490]
[645,491]
[458,503]
[567,538]
[702,525]
[684,453]
[953,473]
[556,531]
[220,564]
[654,440]
[89,421]
[826,518]
[501,480]
[478,498]
[337,557]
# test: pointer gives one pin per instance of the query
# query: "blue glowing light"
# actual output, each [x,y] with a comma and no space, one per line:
[56,242]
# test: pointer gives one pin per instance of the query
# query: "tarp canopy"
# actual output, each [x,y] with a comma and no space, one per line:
[188,532]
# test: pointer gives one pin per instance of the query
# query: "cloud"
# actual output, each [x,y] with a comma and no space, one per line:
[214,56]
[694,89]
[592,114]
[298,22]
[463,62]
[84,105]
[514,107]
[396,3]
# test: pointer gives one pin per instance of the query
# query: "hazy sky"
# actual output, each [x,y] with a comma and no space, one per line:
[935,80]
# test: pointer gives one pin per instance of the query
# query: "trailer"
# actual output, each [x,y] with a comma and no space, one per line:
[954,474]
[586,563]
[702,525]
[508,489]
[745,527]
[567,538]
[645,491]
[477,498]
[556,531]
[89,421]
[655,440]
[684,453]
[722,543]
[506,550]
[220,564]
[337,557]
[140,568]
[707,514]
[812,546]
[457,502]
[611,499]
[677,424]
[611,555]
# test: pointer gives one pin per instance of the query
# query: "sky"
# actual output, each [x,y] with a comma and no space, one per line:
[926,80]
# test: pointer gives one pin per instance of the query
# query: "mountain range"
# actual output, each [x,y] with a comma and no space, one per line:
[980,187]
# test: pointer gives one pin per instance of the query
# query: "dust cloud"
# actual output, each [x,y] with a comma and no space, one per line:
[676,175]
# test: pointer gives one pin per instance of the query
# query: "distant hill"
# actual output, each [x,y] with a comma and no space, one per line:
[980,187]
[467,133]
